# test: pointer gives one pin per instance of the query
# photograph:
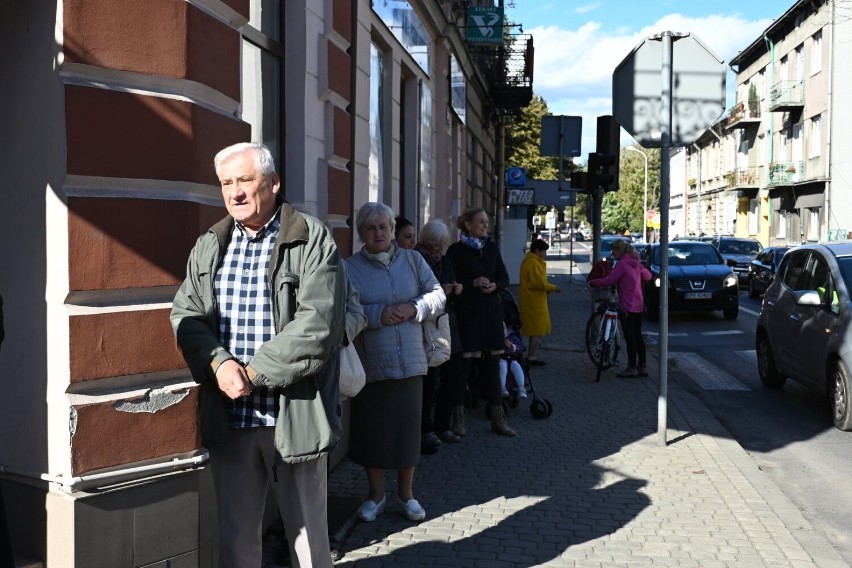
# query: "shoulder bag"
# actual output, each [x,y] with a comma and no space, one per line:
[352,374]
[436,332]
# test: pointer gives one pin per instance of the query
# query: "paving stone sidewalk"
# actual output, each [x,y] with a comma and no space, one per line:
[589,486]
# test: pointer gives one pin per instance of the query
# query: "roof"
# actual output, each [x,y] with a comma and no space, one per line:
[758,46]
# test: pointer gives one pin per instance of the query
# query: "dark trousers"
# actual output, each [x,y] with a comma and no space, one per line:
[489,378]
[6,556]
[632,326]
[453,382]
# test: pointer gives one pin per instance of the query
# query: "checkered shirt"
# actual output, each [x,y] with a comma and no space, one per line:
[245,314]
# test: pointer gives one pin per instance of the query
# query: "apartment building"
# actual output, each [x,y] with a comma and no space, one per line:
[113,112]
[773,168]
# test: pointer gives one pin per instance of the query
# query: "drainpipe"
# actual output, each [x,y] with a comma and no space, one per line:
[828,184]
[698,189]
[771,133]
[70,484]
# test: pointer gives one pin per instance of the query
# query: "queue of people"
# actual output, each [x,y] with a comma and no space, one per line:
[267,306]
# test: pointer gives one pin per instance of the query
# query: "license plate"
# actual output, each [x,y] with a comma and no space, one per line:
[698,295]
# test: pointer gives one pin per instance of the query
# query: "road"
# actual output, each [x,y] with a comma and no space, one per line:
[788,432]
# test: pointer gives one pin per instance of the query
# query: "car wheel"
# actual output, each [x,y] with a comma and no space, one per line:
[769,374]
[752,291]
[841,391]
[731,313]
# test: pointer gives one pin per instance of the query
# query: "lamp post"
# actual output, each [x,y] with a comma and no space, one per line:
[645,202]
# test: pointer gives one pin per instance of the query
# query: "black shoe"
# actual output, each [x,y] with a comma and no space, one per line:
[536,363]
[430,443]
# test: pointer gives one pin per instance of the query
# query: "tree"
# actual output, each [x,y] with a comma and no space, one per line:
[523,142]
[624,209]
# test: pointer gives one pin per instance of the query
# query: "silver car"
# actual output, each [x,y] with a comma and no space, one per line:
[803,323]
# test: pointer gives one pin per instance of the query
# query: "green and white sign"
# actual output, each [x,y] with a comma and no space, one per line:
[485,25]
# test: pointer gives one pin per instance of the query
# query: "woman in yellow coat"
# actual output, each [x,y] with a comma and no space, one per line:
[534,288]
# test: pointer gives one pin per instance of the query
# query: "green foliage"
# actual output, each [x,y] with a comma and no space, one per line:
[753,102]
[523,143]
[624,209]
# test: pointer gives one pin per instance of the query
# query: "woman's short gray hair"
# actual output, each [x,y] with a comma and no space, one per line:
[262,156]
[435,234]
[373,210]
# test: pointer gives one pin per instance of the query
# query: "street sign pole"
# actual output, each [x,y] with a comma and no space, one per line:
[665,190]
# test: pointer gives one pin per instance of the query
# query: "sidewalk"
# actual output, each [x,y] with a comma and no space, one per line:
[588,486]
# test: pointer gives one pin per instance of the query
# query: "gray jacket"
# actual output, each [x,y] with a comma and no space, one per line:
[394,351]
[308,301]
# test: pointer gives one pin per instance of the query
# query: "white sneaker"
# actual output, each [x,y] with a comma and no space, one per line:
[413,510]
[522,393]
[369,509]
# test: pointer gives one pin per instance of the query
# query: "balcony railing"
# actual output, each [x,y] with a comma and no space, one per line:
[508,69]
[741,115]
[784,173]
[743,178]
[787,95]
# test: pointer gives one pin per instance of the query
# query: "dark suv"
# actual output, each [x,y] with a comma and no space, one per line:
[738,253]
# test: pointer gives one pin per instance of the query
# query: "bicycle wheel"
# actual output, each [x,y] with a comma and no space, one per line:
[603,358]
[615,350]
[593,330]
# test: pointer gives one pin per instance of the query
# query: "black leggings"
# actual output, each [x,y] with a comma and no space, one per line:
[632,326]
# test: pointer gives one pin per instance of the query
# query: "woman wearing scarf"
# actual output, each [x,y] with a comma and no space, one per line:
[397,291]
[479,268]
[451,377]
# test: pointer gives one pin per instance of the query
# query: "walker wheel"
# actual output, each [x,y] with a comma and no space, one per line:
[538,408]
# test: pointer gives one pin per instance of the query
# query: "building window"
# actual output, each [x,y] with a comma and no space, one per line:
[800,62]
[262,96]
[816,53]
[781,225]
[812,217]
[753,209]
[377,127]
[425,125]
[815,148]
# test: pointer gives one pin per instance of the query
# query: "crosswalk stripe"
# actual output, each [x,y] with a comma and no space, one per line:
[706,374]
[750,356]
[724,332]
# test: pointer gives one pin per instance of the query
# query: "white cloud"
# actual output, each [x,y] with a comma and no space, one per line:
[587,8]
[573,67]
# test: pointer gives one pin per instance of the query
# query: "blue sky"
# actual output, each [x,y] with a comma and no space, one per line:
[578,45]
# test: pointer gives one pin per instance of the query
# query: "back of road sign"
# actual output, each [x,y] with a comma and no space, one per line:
[698,91]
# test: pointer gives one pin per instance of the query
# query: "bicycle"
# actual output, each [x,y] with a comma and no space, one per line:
[603,336]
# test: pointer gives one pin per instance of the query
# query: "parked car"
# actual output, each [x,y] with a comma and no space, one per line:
[804,323]
[738,252]
[762,270]
[606,245]
[699,279]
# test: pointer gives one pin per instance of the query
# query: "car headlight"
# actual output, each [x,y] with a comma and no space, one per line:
[730,281]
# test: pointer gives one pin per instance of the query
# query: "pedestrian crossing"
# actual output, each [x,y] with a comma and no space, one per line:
[707,375]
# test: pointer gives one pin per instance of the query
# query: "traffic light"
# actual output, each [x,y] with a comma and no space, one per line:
[602,172]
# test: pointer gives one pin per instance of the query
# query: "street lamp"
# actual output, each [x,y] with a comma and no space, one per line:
[645,203]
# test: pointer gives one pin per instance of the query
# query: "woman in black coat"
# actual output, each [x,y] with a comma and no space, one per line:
[479,268]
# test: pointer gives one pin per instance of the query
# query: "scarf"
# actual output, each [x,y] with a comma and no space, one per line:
[473,242]
[384,258]
[431,259]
